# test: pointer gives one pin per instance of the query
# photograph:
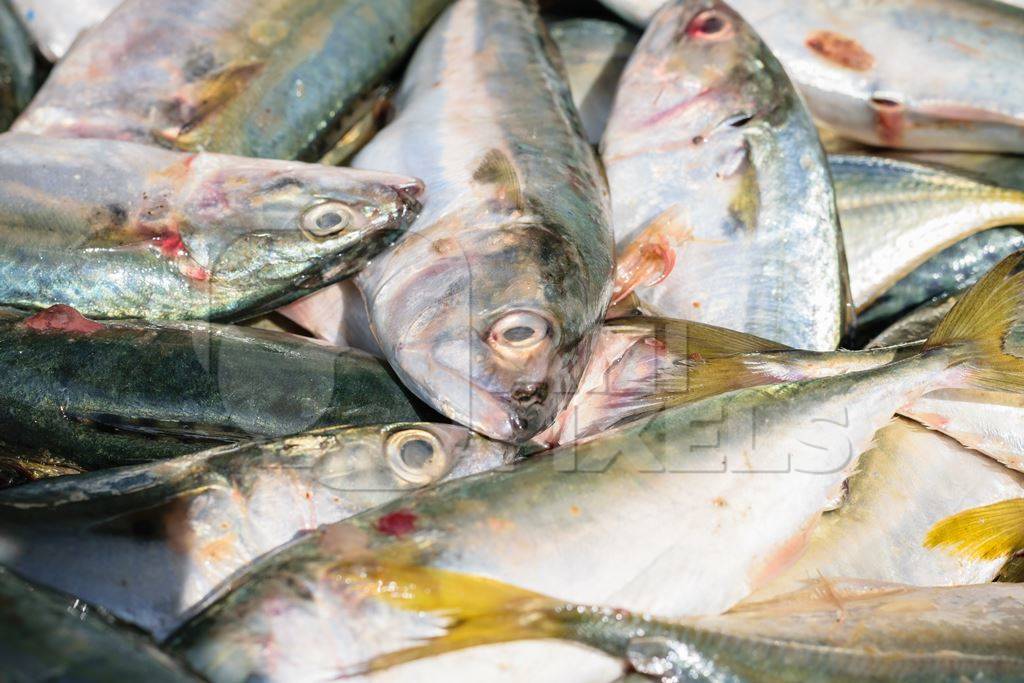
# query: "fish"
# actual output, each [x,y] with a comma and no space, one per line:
[147,542]
[487,310]
[900,75]
[265,78]
[18,73]
[671,496]
[86,395]
[896,215]
[55,25]
[594,52]
[910,479]
[950,271]
[915,326]
[49,636]
[722,202]
[122,230]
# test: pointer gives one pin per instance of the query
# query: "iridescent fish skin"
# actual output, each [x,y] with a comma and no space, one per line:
[594,53]
[897,214]
[120,230]
[148,542]
[17,67]
[715,166]
[910,479]
[488,308]
[654,493]
[264,78]
[48,636]
[90,396]
[900,74]
[56,24]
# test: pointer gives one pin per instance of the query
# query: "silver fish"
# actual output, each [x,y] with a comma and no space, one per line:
[723,206]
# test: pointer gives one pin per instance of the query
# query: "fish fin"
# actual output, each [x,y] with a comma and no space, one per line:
[683,337]
[213,94]
[990,532]
[651,255]
[156,429]
[979,327]
[473,610]
[497,169]
[629,306]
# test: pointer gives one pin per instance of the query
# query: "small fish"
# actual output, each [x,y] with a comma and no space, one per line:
[85,395]
[910,478]
[670,497]
[49,636]
[723,205]
[488,309]
[901,74]
[897,214]
[148,542]
[594,53]
[56,24]
[120,230]
[259,78]
[18,77]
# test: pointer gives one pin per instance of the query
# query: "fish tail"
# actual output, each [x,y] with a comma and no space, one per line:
[472,610]
[985,327]
[990,532]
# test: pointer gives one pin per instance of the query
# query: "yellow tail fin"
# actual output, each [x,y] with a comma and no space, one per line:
[985,533]
[983,326]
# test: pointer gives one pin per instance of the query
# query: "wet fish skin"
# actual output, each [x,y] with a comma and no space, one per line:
[119,230]
[56,24]
[48,636]
[915,326]
[910,479]
[375,577]
[18,78]
[594,53]
[515,230]
[950,271]
[96,396]
[264,79]
[712,158]
[896,215]
[148,542]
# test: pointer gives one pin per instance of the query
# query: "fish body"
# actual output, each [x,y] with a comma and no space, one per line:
[92,396]
[148,542]
[594,53]
[121,230]
[48,636]
[17,67]
[896,215]
[909,480]
[678,518]
[915,326]
[270,78]
[487,310]
[715,167]
[56,24]
[900,74]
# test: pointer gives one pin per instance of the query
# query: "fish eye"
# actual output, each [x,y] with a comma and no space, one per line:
[416,456]
[710,25]
[520,330]
[329,218]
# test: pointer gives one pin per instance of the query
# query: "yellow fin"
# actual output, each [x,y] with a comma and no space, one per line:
[981,323]
[213,93]
[683,337]
[990,532]
[497,169]
[476,610]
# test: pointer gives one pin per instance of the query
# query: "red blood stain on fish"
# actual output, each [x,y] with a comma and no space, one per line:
[397,523]
[840,49]
[173,247]
[889,120]
[61,318]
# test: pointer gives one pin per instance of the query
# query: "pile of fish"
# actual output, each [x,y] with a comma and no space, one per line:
[482,340]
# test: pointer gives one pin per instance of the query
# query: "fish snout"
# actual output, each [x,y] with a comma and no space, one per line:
[530,394]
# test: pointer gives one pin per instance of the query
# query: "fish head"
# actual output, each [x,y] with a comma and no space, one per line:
[493,328]
[271,221]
